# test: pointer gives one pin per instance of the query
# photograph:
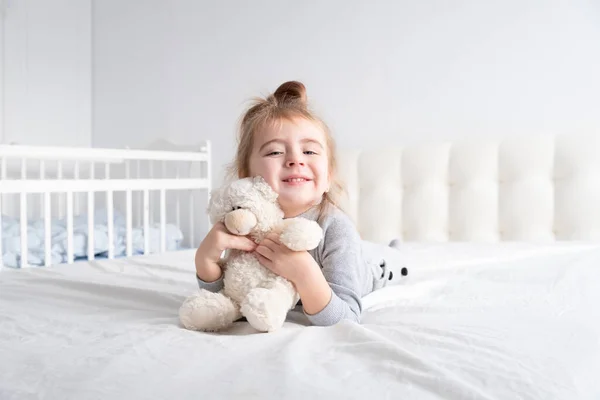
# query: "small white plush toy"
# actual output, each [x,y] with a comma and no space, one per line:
[249,207]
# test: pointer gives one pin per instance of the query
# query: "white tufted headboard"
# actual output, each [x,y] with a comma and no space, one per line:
[541,188]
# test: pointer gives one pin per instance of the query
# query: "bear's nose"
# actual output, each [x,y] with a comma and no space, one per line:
[240,222]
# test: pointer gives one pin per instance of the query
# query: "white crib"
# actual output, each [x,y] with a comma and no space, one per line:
[57,186]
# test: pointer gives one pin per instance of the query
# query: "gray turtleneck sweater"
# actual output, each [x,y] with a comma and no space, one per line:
[350,266]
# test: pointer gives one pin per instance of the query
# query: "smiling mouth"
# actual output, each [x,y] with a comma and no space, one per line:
[296,180]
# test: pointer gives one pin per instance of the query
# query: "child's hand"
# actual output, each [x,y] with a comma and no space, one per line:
[209,252]
[219,239]
[295,266]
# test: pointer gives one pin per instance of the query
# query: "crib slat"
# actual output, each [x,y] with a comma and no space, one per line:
[163,211]
[42,176]
[110,225]
[23,220]
[163,229]
[59,175]
[47,230]
[146,222]
[70,214]
[70,227]
[110,213]
[47,219]
[139,201]
[90,218]
[24,239]
[76,206]
[129,212]
[129,224]
[151,170]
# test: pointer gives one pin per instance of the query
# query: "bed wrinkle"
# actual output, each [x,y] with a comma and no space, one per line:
[142,265]
[455,338]
[148,350]
[114,285]
[423,373]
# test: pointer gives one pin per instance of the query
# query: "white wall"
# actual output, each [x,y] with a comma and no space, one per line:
[1,74]
[380,72]
[47,69]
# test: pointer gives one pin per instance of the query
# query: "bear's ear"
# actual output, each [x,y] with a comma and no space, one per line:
[216,205]
[264,189]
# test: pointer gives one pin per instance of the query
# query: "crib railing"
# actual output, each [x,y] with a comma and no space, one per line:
[65,179]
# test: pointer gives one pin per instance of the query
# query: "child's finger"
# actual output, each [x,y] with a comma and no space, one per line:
[270,244]
[263,260]
[264,251]
[273,237]
[242,243]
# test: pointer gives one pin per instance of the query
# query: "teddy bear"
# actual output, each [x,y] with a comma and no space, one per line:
[249,207]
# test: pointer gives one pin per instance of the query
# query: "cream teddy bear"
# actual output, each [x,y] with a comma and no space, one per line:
[249,207]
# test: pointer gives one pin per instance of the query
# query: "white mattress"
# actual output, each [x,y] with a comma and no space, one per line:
[471,321]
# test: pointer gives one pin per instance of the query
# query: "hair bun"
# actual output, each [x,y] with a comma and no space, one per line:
[291,92]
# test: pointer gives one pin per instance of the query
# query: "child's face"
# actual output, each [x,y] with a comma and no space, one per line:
[292,157]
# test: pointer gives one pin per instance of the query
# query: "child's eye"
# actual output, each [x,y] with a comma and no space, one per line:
[310,152]
[274,153]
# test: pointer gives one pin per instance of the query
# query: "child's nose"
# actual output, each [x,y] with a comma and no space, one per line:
[292,163]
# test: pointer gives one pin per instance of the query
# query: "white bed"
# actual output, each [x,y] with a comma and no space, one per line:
[497,322]
[507,316]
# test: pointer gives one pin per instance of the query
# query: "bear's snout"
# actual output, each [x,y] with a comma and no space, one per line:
[240,222]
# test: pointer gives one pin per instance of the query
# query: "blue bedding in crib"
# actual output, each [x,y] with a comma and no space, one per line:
[11,239]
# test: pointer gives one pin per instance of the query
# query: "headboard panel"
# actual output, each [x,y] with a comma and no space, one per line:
[541,188]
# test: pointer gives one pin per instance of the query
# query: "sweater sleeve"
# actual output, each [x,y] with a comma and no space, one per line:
[210,286]
[217,285]
[344,269]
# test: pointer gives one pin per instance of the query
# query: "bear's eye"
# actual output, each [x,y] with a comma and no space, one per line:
[236,208]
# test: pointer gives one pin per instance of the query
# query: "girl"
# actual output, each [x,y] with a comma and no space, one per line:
[292,149]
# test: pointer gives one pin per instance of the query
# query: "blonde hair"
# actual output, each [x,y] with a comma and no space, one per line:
[289,101]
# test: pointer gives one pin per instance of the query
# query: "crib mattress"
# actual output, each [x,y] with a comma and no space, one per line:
[470,321]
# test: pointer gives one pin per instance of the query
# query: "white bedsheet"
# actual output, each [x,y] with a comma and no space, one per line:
[506,321]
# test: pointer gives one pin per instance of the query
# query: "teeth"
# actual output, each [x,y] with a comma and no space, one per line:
[295,180]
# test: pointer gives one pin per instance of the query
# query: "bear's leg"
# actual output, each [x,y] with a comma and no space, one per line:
[266,308]
[208,311]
